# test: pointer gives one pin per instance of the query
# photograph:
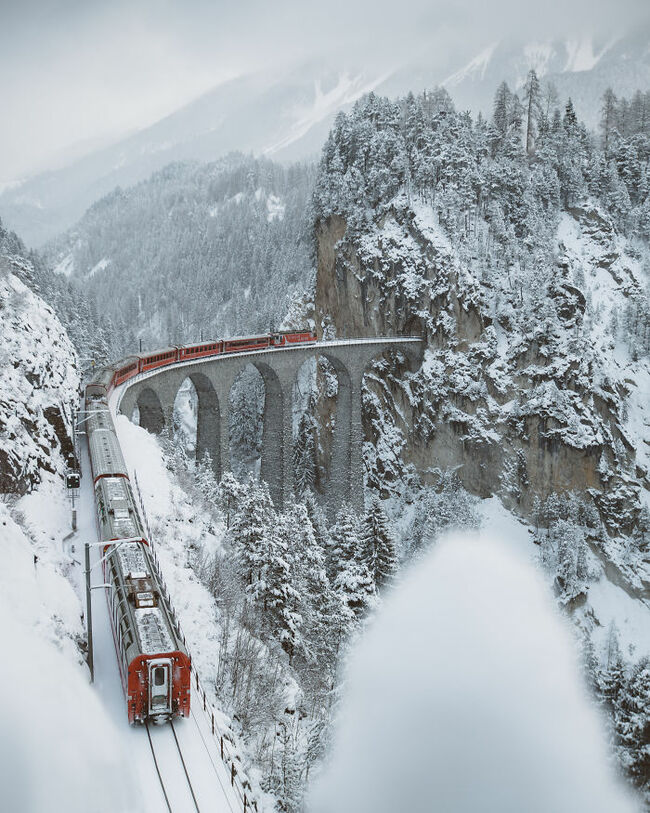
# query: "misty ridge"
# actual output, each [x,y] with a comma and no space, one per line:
[477,634]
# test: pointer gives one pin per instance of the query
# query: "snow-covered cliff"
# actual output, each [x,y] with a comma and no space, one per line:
[39,382]
[528,272]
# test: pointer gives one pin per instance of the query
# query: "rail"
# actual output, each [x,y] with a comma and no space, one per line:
[157,766]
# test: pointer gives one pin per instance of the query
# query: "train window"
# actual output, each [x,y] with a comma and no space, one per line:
[159,676]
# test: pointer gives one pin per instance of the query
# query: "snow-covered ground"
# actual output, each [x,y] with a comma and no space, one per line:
[608,604]
[59,748]
[479,704]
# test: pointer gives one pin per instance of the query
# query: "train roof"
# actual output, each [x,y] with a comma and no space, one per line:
[125,362]
[153,625]
[158,352]
[106,453]
[117,512]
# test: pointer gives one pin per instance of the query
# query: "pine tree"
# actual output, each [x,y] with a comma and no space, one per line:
[501,109]
[280,593]
[377,544]
[318,521]
[344,542]
[229,496]
[304,451]
[356,587]
[252,520]
[608,118]
[206,480]
[632,721]
[533,106]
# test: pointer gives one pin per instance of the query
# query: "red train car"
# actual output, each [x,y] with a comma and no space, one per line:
[195,351]
[129,367]
[160,358]
[294,337]
[144,362]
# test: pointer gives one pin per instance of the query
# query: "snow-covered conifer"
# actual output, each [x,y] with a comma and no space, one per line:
[377,544]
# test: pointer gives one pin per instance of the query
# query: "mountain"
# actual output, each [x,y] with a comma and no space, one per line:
[287,115]
[196,249]
[580,69]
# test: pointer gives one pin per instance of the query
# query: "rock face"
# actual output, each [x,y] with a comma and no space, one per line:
[519,411]
[39,382]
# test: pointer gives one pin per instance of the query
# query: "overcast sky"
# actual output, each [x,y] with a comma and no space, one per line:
[76,70]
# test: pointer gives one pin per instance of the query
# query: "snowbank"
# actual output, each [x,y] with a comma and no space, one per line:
[58,749]
[465,695]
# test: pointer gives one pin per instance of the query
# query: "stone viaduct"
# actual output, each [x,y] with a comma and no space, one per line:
[155,392]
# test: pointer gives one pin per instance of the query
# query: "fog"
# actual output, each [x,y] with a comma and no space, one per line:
[54,727]
[489,715]
[75,71]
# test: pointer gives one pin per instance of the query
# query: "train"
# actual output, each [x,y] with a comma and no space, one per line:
[144,362]
[154,665]
[155,668]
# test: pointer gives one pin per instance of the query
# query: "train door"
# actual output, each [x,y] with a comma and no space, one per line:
[160,687]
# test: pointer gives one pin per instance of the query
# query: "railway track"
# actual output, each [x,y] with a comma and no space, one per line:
[171,767]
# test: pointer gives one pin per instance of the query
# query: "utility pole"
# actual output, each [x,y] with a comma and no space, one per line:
[89,610]
[89,615]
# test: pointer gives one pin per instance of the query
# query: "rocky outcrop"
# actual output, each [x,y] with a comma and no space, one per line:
[517,409]
[39,383]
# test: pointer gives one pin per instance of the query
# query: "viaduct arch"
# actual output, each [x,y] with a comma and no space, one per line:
[155,392]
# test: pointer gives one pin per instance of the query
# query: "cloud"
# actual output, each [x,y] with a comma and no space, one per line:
[78,69]
[465,695]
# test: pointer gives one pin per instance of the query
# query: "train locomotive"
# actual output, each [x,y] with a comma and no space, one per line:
[153,662]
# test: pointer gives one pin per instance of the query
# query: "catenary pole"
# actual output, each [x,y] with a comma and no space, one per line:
[89,615]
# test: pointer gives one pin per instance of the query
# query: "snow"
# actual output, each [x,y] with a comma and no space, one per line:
[59,750]
[5,186]
[611,274]
[100,266]
[537,56]
[37,387]
[152,631]
[346,91]
[475,68]
[514,534]
[630,616]
[489,715]
[581,56]
[65,266]
[275,208]
[52,722]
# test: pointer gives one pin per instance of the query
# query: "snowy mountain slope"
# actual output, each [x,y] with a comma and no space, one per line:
[285,116]
[39,383]
[46,700]
[581,69]
[237,230]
